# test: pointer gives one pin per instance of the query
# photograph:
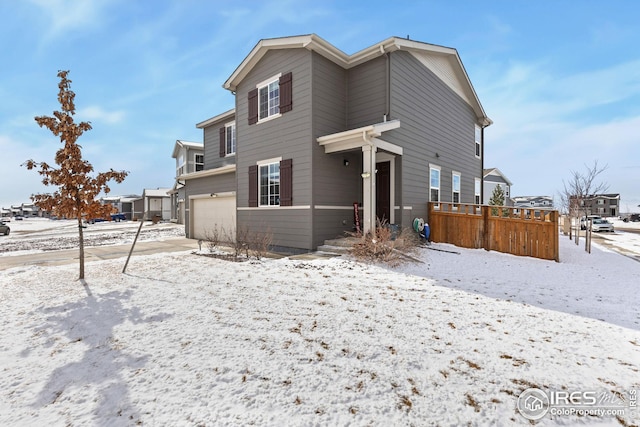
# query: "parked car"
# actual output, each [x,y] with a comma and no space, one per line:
[632,218]
[4,229]
[18,217]
[600,224]
[584,221]
[117,217]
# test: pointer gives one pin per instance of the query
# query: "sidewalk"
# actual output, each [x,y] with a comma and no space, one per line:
[97,253]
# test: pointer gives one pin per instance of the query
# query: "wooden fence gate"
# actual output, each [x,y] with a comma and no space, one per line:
[517,231]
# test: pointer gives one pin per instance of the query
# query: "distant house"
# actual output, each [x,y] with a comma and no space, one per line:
[539,203]
[491,179]
[320,140]
[189,159]
[606,205]
[121,204]
[154,202]
[26,210]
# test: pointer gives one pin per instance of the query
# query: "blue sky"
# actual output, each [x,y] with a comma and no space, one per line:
[560,79]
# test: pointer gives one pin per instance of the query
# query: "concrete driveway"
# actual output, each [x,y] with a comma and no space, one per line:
[96,253]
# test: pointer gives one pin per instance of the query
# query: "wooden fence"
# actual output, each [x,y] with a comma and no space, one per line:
[517,231]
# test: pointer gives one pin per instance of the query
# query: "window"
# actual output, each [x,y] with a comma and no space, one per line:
[600,201]
[477,191]
[230,138]
[455,185]
[180,168]
[199,162]
[269,185]
[478,139]
[269,99]
[434,183]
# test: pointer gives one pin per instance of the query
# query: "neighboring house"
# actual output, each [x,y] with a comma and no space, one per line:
[121,204]
[154,202]
[189,159]
[315,131]
[26,210]
[606,205]
[537,202]
[5,213]
[492,178]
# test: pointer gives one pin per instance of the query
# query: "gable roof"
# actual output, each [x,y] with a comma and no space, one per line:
[181,144]
[224,116]
[443,61]
[496,172]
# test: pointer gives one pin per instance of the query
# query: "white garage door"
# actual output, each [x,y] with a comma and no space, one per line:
[213,213]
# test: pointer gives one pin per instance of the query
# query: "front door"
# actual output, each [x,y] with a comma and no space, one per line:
[383,191]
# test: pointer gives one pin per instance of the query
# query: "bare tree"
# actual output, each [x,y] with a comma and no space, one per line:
[77,188]
[581,188]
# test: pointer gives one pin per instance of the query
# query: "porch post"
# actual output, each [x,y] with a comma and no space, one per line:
[369,189]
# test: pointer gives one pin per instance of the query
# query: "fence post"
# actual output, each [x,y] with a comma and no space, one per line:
[485,228]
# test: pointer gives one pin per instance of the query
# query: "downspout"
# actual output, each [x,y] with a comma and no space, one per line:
[482,164]
[387,94]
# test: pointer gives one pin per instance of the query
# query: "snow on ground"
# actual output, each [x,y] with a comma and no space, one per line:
[183,339]
[40,234]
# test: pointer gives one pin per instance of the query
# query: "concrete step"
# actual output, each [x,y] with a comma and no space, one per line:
[338,246]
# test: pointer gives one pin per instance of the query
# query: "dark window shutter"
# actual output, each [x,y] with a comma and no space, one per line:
[223,142]
[286,98]
[253,186]
[253,106]
[286,183]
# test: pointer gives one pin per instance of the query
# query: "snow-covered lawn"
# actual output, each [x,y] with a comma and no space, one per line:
[183,339]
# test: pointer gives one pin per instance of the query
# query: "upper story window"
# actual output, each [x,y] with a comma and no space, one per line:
[434,184]
[230,138]
[199,162]
[478,184]
[478,138]
[455,186]
[269,99]
[180,165]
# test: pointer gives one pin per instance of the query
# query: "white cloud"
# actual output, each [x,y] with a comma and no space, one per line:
[97,113]
[66,15]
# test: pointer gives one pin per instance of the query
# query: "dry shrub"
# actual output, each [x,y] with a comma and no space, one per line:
[385,247]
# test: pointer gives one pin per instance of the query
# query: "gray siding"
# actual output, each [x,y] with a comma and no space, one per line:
[367,93]
[289,136]
[212,159]
[206,185]
[437,127]
[334,184]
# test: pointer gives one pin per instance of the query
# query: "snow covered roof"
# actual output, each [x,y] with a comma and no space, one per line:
[158,192]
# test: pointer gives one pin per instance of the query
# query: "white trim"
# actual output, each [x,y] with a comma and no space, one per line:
[267,208]
[207,122]
[268,81]
[269,161]
[263,84]
[329,207]
[439,187]
[408,208]
[212,195]
[209,172]
[266,119]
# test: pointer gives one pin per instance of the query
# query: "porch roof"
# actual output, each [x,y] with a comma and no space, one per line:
[360,137]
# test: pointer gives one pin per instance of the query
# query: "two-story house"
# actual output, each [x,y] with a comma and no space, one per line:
[317,135]
[189,158]
[606,205]
[491,179]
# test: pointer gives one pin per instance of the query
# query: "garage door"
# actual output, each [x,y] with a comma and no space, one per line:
[213,213]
